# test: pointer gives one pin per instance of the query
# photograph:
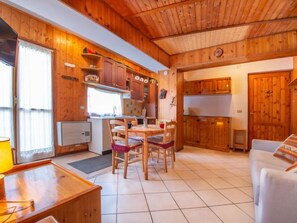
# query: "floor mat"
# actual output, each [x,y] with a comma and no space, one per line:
[92,164]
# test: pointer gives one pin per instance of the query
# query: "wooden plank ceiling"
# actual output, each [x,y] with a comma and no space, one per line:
[179,26]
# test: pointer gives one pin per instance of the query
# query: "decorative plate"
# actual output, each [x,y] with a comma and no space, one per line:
[136,77]
[218,52]
[141,79]
[145,81]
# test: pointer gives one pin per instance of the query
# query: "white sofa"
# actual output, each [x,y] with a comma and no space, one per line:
[275,191]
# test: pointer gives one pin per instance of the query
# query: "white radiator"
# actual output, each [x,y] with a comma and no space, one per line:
[71,133]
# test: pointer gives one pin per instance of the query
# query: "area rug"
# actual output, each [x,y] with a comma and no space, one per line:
[92,164]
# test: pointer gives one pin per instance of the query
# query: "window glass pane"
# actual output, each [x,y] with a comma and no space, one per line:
[35,116]
[104,103]
[6,102]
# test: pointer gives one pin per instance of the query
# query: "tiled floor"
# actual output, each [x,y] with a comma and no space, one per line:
[205,186]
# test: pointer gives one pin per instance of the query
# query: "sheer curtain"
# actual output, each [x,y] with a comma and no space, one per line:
[6,102]
[103,102]
[35,116]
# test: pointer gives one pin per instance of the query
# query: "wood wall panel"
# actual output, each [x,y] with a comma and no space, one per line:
[68,95]
[280,45]
[102,13]
[294,99]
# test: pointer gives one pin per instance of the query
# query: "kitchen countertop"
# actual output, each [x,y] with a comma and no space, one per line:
[119,117]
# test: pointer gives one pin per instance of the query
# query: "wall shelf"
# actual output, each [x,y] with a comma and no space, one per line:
[91,69]
[91,55]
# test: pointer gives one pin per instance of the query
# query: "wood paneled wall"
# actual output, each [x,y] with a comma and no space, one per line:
[294,99]
[102,13]
[70,100]
[274,46]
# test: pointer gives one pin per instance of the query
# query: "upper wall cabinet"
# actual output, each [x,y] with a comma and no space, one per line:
[208,86]
[113,74]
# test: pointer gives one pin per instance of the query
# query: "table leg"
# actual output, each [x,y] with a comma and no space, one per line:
[145,157]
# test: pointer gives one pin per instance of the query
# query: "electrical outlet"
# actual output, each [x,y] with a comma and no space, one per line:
[239,110]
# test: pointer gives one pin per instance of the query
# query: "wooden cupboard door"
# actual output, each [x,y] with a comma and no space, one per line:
[204,127]
[120,76]
[269,106]
[189,130]
[152,103]
[207,86]
[107,74]
[136,89]
[220,134]
[192,87]
[222,85]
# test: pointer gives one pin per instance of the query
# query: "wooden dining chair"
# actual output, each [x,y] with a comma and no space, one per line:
[165,143]
[121,143]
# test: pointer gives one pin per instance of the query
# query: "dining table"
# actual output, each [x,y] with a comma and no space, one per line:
[145,132]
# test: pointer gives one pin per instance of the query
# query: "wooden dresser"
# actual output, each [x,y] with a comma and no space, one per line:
[55,191]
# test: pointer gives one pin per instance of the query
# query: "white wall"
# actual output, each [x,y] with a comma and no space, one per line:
[230,105]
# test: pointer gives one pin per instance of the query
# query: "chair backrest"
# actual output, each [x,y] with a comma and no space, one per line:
[118,131]
[169,131]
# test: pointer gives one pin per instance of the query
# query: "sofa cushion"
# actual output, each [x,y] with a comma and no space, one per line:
[267,157]
[292,168]
[256,168]
[287,151]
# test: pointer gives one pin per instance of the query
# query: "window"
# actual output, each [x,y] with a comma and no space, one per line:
[35,115]
[103,102]
[6,102]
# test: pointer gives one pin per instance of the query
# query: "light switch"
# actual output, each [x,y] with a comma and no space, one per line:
[82,107]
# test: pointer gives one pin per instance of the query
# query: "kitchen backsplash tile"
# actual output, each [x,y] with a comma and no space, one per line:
[132,107]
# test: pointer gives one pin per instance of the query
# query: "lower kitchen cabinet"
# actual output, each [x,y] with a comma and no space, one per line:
[207,132]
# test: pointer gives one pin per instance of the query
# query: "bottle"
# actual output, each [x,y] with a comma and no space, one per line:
[145,122]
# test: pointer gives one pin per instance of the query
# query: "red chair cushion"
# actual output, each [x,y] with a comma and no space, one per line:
[158,141]
[120,146]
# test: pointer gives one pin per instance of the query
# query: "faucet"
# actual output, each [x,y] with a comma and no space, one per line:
[114,110]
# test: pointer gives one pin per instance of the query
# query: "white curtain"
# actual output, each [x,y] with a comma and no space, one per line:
[6,102]
[35,116]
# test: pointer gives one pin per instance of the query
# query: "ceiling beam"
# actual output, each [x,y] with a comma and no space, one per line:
[159,9]
[289,19]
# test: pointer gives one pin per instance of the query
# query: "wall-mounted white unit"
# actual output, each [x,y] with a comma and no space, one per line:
[72,133]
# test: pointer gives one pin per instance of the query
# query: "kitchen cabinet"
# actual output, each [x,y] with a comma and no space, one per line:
[136,89]
[151,104]
[208,86]
[207,132]
[192,87]
[113,74]
[91,67]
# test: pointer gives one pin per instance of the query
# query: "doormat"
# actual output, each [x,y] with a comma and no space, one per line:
[93,164]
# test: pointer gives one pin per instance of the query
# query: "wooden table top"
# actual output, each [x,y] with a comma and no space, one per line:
[47,185]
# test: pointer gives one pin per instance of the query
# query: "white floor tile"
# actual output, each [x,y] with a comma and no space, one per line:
[247,190]
[168,217]
[159,202]
[212,197]
[109,188]
[153,186]
[131,203]
[235,195]
[218,183]
[110,218]
[109,204]
[248,208]
[188,200]
[176,185]
[143,217]
[198,184]
[201,215]
[237,181]
[130,188]
[232,214]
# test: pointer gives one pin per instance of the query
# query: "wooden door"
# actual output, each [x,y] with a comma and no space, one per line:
[107,74]
[268,106]
[220,134]
[189,130]
[152,104]
[136,89]
[120,76]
